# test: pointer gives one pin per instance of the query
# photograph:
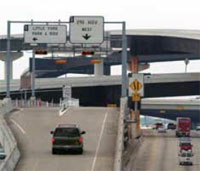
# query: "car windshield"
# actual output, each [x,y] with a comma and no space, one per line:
[189,155]
[183,155]
[68,132]
[186,155]
[184,139]
[185,144]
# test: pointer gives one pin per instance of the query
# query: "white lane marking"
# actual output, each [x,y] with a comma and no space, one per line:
[35,165]
[18,126]
[98,145]
[62,112]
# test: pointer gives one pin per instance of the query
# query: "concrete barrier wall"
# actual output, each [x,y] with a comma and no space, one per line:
[70,103]
[65,104]
[5,106]
[120,136]
[7,139]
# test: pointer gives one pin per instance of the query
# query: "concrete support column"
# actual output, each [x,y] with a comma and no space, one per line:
[11,70]
[107,70]
[13,56]
[99,69]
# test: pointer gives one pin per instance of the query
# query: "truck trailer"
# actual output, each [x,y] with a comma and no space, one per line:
[183,126]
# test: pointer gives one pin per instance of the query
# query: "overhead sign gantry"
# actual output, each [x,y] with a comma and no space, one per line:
[83,30]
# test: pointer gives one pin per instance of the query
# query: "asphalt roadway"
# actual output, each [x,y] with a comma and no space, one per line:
[160,153]
[32,127]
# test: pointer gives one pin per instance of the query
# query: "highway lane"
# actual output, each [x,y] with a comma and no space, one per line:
[32,130]
[161,154]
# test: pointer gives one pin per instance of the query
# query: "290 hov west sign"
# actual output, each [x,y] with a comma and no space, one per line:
[86,29]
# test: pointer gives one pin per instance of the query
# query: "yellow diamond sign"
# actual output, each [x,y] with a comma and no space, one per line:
[136,85]
[136,97]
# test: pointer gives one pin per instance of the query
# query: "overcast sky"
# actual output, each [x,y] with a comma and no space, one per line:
[159,14]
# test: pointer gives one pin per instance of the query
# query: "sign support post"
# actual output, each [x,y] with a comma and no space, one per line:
[8,61]
[124,60]
[136,90]
[33,74]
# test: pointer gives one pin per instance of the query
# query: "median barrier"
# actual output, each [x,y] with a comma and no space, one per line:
[7,139]
[120,136]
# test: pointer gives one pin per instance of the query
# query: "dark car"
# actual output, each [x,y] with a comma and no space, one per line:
[157,125]
[198,128]
[2,154]
[171,126]
[67,137]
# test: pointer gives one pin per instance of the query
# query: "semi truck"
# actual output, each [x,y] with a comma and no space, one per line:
[183,126]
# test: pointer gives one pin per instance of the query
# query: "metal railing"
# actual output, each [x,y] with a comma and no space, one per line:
[34,103]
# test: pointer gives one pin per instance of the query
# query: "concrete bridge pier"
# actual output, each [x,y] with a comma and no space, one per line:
[14,56]
[98,67]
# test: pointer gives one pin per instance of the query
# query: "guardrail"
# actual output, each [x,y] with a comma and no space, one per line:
[7,139]
[120,136]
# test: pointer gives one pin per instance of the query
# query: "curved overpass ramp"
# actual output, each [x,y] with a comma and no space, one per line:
[32,130]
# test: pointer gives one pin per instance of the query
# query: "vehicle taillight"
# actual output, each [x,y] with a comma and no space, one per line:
[53,140]
[80,140]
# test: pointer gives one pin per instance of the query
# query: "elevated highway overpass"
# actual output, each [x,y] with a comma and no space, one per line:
[155,82]
[32,127]
[101,91]
[171,109]
[151,45]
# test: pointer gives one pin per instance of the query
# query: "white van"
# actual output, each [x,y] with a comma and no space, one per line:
[186,157]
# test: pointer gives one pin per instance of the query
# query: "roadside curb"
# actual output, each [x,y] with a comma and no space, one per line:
[131,151]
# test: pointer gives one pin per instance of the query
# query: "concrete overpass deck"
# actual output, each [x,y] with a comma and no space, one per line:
[171,109]
[32,130]
[171,104]
[46,83]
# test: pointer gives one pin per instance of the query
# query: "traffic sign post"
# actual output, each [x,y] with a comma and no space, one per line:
[33,74]
[8,61]
[136,91]
[86,29]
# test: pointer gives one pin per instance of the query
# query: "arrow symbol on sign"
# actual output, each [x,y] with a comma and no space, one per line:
[86,36]
[34,39]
